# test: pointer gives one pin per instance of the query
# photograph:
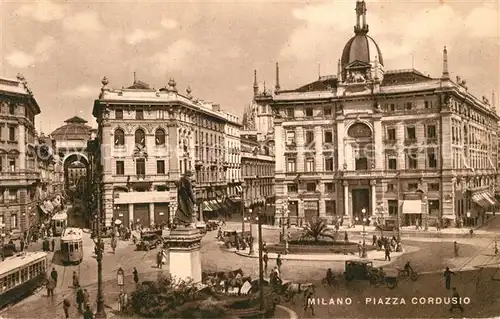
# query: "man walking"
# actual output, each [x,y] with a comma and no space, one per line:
[22,244]
[79,299]
[76,281]
[265,259]
[387,252]
[374,240]
[455,248]
[447,277]
[53,275]
[53,244]
[455,301]
[279,262]
[66,305]
[51,285]
[136,276]
[309,300]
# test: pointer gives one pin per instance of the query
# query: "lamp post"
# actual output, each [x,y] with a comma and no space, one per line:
[426,213]
[261,265]
[250,219]
[363,252]
[243,207]
[284,217]
[398,219]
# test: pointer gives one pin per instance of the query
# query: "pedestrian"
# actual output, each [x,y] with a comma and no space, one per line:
[346,237]
[374,240]
[447,277]
[279,262]
[159,260]
[471,232]
[359,248]
[455,301]
[76,281]
[51,285]
[53,274]
[455,248]
[22,244]
[79,299]
[66,305]
[88,313]
[265,259]
[136,276]
[387,253]
[53,244]
[309,300]
[86,299]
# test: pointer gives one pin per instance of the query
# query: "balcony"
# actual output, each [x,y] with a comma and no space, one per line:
[390,141]
[432,140]
[410,141]
[13,175]
[198,163]
[291,146]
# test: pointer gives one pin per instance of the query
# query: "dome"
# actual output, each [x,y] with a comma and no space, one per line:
[361,48]
[74,129]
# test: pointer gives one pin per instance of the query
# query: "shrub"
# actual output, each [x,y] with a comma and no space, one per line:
[316,229]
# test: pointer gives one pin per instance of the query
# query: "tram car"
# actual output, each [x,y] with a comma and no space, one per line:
[72,245]
[58,223]
[21,275]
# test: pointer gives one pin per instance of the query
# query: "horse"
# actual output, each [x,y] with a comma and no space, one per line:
[293,288]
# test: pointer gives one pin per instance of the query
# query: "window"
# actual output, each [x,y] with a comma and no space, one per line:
[392,107]
[119,137]
[12,133]
[291,165]
[140,167]
[412,187]
[408,105]
[330,187]
[139,114]
[330,208]
[292,188]
[328,137]
[310,165]
[329,164]
[290,113]
[412,158]
[434,207]
[309,112]
[119,114]
[391,187]
[12,164]
[12,195]
[393,207]
[12,108]
[433,187]
[160,137]
[120,168]
[410,133]
[431,158]
[311,187]
[160,167]
[392,162]
[290,137]
[327,111]
[391,134]
[309,137]
[431,131]
[140,138]
[428,104]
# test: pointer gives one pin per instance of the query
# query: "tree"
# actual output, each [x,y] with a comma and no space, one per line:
[318,228]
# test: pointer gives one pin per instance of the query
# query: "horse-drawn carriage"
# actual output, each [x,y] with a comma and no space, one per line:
[286,290]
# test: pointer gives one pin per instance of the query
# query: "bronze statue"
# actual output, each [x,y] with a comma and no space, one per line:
[185,201]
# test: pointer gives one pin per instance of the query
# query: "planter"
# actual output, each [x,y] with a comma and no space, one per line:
[321,247]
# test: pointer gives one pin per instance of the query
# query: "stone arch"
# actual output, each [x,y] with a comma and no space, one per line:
[136,137]
[360,129]
[76,155]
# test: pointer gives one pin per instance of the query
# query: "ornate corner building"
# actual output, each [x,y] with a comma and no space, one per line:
[149,138]
[371,144]
[29,176]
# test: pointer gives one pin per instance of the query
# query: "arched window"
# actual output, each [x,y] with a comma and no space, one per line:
[140,138]
[160,137]
[359,130]
[119,137]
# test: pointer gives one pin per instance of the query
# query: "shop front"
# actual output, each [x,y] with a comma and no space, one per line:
[141,215]
[161,213]
[311,210]
[412,212]
[120,212]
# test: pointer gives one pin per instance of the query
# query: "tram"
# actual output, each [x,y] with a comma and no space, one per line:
[58,223]
[72,245]
[21,275]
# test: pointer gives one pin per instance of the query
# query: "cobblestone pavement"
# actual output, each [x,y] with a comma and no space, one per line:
[431,256]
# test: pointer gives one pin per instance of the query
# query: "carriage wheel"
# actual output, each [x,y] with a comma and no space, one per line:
[375,280]
[414,276]
[288,296]
[392,284]
[402,274]
[275,298]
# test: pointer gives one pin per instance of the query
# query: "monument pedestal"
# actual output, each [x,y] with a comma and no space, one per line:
[184,253]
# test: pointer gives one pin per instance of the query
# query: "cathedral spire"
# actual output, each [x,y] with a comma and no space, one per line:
[361,26]
[445,75]
[255,85]
[277,87]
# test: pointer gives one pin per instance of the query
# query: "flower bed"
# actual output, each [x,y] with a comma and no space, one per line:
[318,247]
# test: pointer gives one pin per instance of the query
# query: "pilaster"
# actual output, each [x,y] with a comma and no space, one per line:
[318,158]
[346,199]
[379,146]
[173,159]
[22,147]
[108,204]
[280,141]
[340,143]
[373,193]
[300,149]
[400,137]
[152,213]
[131,213]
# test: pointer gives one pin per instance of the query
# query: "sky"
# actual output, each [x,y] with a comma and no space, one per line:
[65,48]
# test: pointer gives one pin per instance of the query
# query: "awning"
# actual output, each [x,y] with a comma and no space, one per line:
[481,200]
[215,205]
[239,189]
[43,210]
[236,199]
[48,206]
[206,207]
[491,199]
[412,207]
[219,193]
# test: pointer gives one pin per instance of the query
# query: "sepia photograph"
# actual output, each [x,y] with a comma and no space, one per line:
[249,159]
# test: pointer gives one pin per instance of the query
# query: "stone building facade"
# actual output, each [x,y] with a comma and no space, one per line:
[149,138]
[374,144]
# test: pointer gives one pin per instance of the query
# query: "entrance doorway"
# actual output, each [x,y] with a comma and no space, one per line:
[360,200]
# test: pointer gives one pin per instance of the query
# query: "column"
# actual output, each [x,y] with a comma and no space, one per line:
[173,159]
[22,147]
[340,144]
[279,146]
[346,199]
[106,147]
[379,146]
[131,213]
[373,184]
[151,213]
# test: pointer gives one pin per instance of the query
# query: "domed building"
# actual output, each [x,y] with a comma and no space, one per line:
[377,146]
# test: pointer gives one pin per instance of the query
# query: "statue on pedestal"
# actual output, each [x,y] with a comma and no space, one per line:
[185,201]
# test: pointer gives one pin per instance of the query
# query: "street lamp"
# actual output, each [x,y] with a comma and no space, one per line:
[363,252]
[426,213]
[261,265]
[243,186]
[250,252]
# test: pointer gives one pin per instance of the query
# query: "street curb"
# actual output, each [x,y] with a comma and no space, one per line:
[292,314]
